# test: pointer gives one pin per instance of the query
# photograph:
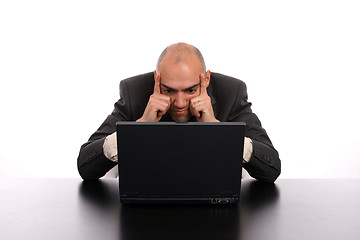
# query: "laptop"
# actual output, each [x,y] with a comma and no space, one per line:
[181,163]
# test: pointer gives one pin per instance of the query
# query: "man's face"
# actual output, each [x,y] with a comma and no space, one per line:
[181,82]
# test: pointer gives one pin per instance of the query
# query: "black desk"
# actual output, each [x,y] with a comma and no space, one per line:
[72,209]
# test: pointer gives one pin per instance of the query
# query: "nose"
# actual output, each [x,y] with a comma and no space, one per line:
[180,100]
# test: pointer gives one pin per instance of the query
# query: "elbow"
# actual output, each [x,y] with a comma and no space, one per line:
[85,175]
[265,164]
[270,177]
[265,172]
[94,168]
[271,173]
[86,170]
[91,171]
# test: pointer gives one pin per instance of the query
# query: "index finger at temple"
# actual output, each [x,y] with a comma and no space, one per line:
[157,84]
[202,85]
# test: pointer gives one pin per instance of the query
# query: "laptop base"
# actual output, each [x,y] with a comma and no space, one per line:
[217,201]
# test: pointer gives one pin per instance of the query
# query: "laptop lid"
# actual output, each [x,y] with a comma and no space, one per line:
[168,162]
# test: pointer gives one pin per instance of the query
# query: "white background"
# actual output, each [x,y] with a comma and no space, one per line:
[61,63]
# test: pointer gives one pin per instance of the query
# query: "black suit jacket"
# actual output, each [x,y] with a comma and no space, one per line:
[230,103]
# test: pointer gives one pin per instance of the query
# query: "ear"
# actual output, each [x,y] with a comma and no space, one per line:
[155,73]
[207,78]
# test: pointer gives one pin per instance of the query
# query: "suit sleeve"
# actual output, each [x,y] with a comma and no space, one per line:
[91,162]
[264,164]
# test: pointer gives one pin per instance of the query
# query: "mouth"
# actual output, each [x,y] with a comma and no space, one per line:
[180,112]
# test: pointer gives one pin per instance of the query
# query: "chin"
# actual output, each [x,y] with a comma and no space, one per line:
[180,118]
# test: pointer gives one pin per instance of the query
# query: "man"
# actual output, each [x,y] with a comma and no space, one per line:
[180,89]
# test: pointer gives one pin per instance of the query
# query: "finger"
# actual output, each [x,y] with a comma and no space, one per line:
[197,100]
[202,85]
[194,107]
[160,97]
[160,103]
[163,107]
[157,84]
[194,112]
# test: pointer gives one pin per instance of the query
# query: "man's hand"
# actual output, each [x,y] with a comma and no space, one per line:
[157,106]
[200,106]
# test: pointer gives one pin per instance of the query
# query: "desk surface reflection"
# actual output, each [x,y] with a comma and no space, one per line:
[72,209]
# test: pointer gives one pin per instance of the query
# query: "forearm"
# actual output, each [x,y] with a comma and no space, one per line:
[265,163]
[92,163]
[96,168]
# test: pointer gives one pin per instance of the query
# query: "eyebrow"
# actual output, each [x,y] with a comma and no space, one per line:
[195,85]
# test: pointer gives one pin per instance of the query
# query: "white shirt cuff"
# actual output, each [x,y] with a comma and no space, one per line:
[110,147]
[248,149]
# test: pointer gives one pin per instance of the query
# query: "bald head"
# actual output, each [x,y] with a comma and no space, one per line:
[180,53]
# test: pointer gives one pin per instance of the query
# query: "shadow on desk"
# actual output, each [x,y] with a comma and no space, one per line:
[257,195]
[178,221]
[100,193]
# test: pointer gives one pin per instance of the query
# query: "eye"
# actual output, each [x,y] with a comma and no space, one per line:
[167,90]
[191,90]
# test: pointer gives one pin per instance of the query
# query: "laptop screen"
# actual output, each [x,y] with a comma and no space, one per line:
[180,160]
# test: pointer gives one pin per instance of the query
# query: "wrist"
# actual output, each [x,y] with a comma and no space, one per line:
[110,147]
[248,149]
